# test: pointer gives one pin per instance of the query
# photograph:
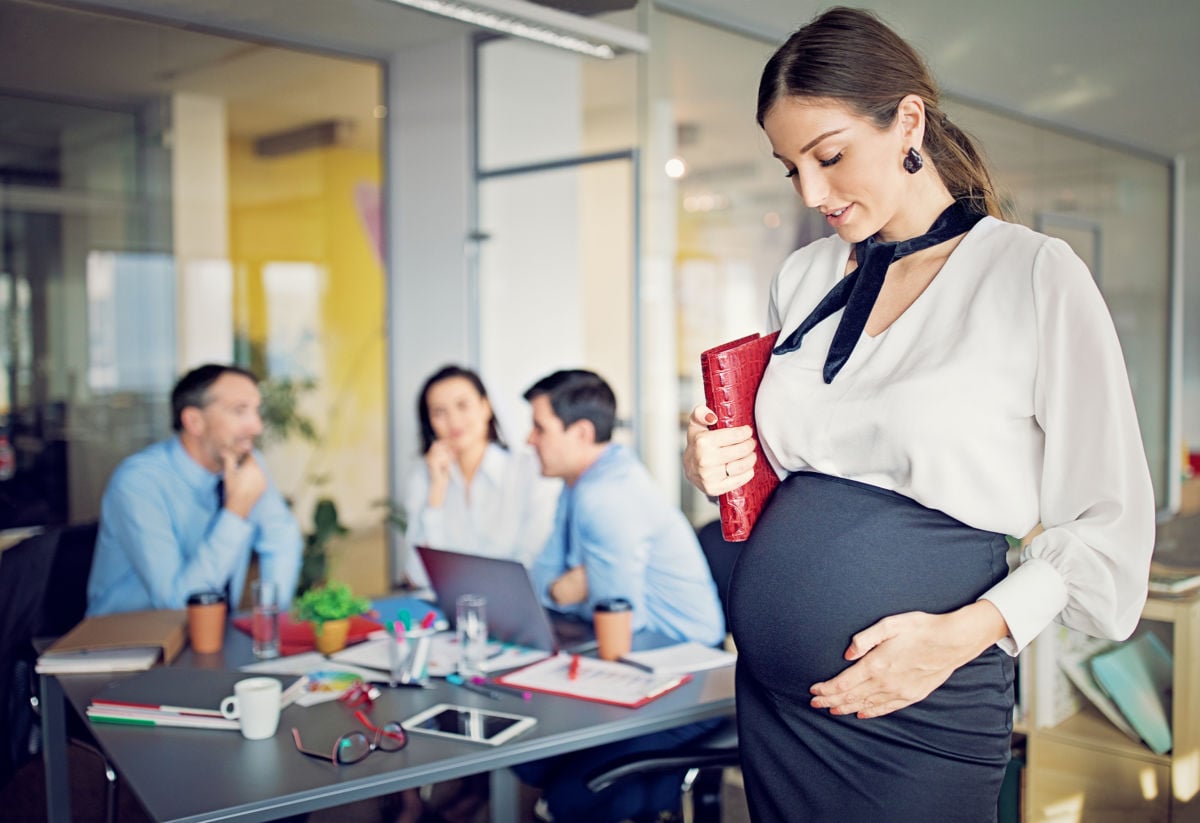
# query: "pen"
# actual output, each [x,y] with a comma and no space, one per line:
[640,666]
[483,681]
[427,621]
[573,669]
[471,687]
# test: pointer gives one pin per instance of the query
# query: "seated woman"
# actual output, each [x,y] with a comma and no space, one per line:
[471,493]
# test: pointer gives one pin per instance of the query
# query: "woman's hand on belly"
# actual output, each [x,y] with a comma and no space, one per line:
[717,460]
[901,659]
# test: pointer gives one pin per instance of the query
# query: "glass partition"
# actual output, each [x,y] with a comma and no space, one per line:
[557,223]
[738,218]
[178,198]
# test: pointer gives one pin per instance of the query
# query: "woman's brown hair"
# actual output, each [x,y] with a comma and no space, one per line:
[849,55]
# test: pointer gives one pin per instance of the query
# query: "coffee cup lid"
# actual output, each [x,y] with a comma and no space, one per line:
[615,604]
[205,598]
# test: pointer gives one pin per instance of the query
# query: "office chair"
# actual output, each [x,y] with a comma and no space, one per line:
[43,594]
[705,759]
[24,569]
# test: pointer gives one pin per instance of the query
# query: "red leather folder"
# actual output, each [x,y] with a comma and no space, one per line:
[296,636]
[731,375]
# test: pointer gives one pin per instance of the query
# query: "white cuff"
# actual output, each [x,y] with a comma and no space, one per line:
[1028,599]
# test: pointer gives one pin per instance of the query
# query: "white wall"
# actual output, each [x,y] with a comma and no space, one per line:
[428,156]
[1191,302]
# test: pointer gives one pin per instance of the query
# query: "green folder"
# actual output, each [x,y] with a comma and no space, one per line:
[1137,676]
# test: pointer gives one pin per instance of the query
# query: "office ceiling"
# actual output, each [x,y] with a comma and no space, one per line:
[1122,71]
[1111,68]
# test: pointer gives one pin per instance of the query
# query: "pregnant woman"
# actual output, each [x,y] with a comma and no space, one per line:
[942,378]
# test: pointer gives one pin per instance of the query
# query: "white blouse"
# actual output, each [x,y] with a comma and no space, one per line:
[999,397]
[507,511]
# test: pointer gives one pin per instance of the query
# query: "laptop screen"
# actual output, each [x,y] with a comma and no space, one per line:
[514,613]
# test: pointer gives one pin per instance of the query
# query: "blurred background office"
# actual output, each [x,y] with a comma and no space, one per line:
[342,196]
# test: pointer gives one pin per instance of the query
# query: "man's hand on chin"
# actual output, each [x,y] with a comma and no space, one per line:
[244,482]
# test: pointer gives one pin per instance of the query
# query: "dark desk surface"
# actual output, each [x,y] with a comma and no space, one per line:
[194,775]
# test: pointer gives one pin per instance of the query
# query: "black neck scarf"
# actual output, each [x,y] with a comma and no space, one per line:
[857,291]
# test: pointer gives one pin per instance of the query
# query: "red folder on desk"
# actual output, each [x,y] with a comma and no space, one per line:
[296,636]
[731,375]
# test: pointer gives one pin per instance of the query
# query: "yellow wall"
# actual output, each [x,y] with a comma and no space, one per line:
[301,208]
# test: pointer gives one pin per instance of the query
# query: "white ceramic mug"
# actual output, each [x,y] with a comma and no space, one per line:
[255,705]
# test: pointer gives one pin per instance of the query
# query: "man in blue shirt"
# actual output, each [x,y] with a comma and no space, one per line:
[184,514]
[614,536]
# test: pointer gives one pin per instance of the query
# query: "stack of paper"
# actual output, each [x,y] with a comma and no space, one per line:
[681,657]
[443,654]
[141,714]
[1167,580]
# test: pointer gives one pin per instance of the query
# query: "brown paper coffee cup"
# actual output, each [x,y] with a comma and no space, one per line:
[613,621]
[206,621]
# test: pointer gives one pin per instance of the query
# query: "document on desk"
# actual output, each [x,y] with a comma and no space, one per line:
[590,679]
[443,654]
[681,657]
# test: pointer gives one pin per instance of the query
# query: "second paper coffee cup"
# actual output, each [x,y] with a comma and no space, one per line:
[206,621]
[613,620]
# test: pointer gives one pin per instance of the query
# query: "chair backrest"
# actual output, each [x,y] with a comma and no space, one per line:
[721,555]
[65,601]
[24,570]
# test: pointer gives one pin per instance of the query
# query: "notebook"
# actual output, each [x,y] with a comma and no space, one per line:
[731,374]
[514,612]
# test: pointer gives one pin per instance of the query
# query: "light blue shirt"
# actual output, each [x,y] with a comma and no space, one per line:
[632,544]
[162,536]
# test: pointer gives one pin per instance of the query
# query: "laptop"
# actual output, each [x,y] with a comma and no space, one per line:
[514,613]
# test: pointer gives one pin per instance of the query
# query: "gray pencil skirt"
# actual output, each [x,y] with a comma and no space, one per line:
[828,558]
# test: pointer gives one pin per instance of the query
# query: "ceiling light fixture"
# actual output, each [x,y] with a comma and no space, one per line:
[530,21]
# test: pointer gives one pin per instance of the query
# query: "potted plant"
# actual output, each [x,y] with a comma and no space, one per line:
[329,609]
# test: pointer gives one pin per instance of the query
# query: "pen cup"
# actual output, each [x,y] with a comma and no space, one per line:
[613,621]
[471,626]
[206,621]
[398,651]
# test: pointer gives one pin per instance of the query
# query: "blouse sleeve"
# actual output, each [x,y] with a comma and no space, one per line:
[417,532]
[540,497]
[1089,568]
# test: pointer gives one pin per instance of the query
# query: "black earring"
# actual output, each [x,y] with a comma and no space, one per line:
[913,161]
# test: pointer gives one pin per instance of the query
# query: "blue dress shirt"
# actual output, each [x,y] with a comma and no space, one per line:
[164,536]
[632,544]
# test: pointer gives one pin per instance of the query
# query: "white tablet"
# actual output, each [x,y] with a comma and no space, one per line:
[465,723]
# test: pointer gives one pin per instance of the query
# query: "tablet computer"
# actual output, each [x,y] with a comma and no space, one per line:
[466,723]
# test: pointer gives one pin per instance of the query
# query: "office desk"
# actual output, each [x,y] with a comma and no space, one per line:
[189,775]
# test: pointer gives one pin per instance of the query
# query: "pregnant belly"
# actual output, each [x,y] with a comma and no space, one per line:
[831,557]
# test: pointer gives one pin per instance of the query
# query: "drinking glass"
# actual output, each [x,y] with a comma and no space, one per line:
[265,620]
[471,625]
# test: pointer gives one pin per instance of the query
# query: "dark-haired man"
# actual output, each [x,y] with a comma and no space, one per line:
[614,533]
[184,514]
[614,536]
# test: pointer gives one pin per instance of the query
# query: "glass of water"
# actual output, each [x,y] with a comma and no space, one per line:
[471,625]
[264,624]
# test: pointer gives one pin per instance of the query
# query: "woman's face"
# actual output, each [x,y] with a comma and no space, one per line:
[841,164]
[458,413]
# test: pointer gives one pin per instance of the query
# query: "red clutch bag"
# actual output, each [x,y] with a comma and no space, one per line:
[731,375]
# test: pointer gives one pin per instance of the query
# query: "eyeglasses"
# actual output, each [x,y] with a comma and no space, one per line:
[354,746]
